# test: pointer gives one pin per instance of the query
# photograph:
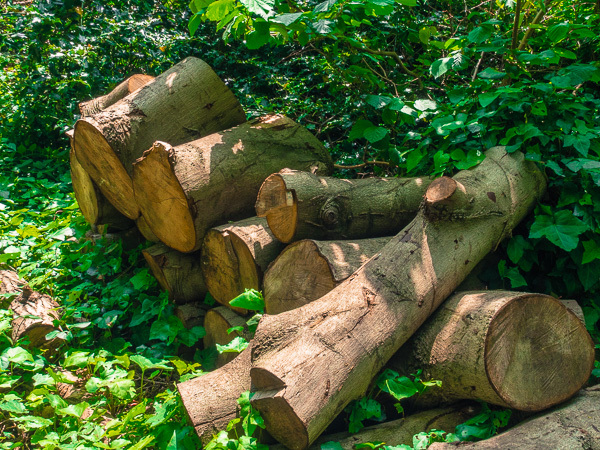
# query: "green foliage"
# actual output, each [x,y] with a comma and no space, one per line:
[483,425]
[250,299]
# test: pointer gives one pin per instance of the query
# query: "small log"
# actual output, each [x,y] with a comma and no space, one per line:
[523,351]
[184,103]
[131,84]
[300,205]
[309,363]
[570,426]
[307,270]
[216,323]
[177,273]
[145,229]
[10,283]
[235,257]
[191,315]
[216,178]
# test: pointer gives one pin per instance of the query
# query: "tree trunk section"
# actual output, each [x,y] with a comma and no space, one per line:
[571,426]
[301,205]
[309,363]
[522,351]
[145,229]
[131,84]
[307,270]
[177,273]
[191,315]
[216,323]
[215,179]
[235,257]
[184,103]
[10,283]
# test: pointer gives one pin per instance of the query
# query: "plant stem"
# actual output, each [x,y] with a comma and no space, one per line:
[537,19]
[515,31]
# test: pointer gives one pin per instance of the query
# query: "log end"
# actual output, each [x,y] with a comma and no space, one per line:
[145,229]
[537,353]
[216,323]
[162,200]
[100,161]
[440,189]
[279,206]
[137,81]
[84,191]
[155,260]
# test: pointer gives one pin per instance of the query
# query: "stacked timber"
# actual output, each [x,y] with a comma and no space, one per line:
[367,283]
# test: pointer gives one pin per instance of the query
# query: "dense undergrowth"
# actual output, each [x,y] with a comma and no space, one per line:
[420,87]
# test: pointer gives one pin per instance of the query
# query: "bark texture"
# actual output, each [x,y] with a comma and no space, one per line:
[523,351]
[215,179]
[216,323]
[131,84]
[307,270]
[184,103]
[177,273]
[300,205]
[309,363]
[235,257]
[191,315]
[570,426]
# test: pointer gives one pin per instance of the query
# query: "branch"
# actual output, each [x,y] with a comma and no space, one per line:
[537,19]
[359,166]
[515,32]
[398,60]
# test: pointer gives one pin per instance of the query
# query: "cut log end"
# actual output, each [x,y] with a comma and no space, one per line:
[166,209]
[279,206]
[216,323]
[542,339]
[97,157]
[156,263]
[440,189]
[137,81]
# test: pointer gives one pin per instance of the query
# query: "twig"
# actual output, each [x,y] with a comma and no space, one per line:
[477,67]
[358,166]
[537,19]
[398,60]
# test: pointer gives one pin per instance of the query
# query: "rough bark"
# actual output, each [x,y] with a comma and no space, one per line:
[307,270]
[215,179]
[216,323]
[177,273]
[523,351]
[131,84]
[401,431]
[570,426]
[235,257]
[184,103]
[145,229]
[10,283]
[191,315]
[309,363]
[300,205]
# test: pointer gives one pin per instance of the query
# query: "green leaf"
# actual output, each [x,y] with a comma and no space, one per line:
[259,37]
[562,229]
[324,6]
[194,23]
[378,101]
[480,34]
[123,388]
[77,359]
[591,251]
[490,73]
[331,445]
[237,345]
[513,274]
[375,134]
[219,9]
[14,405]
[441,66]
[323,26]
[143,443]
[263,8]
[74,410]
[146,363]
[425,104]
[589,274]
[407,2]
[487,98]
[558,32]
[32,422]
[516,248]
[251,299]
[142,280]
[166,330]
[287,19]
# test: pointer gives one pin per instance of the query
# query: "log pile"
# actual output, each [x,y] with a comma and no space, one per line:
[356,291]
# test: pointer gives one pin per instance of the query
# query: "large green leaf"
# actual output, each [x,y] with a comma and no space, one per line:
[263,8]
[441,66]
[562,229]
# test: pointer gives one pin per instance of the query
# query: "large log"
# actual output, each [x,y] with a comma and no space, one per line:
[300,205]
[308,269]
[184,103]
[570,426]
[309,363]
[144,228]
[235,257]
[177,273]
[214,179]
[216,323]
[518,350]
[123,89]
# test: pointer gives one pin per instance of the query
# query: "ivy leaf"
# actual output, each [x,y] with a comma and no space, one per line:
[378,101]
[513,274]
[77,359]
[562,229]
[591,252]
[146,363]
[516,248]
[589,274]
[166,330]
[13,405]
[331,445]
[33,421]
[251,299]
[76,410]
[237,345]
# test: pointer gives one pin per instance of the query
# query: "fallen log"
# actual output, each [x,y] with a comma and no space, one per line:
[309,363]
[308,269]
[177,273]
[184,103]
[518,350]
[216,323]
[216,178]
[235,257]
[570,426]
[145,229]
[300,205]
[123,89]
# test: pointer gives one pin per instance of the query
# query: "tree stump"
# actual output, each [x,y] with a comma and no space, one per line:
[131,84]
[235,257]
[215,179]
[216,323]
[177,273]
[523,351]
[309,363]
[307,270]
[300,205]
[184,103]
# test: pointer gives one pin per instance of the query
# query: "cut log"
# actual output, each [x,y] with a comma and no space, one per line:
[300,205]
[94,206]
[309,363]
[145,229]
[523,351]
[571,426]
[191,315]
[401,431]
[307,270]
[216,323]
[131,84]
[215,179]
[184,103]
[177,273]
[10,283]
[235,257]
